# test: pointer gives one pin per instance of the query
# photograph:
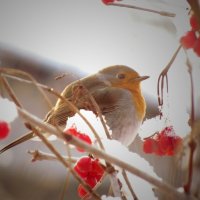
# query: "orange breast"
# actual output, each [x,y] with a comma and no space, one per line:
[139,103]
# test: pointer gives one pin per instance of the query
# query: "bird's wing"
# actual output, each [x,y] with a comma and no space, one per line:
[114,103]
[77,94]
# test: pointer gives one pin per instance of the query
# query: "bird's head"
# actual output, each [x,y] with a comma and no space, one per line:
[121,76]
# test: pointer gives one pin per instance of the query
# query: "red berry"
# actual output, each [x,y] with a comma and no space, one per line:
[84,138]
[108,1]
[73,131]
[96,167]
[83,174]
[91,181]
[84,164]
[4,129]
[188,40]
[90,170]
[81,191]
[165,144]
[149,145]
[197,47]
[97,170]
[194,23]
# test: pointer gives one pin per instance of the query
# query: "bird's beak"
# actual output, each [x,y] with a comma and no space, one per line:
[141,78]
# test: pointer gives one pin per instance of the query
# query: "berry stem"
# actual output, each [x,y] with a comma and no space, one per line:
[163,75]
[129,185]
[192,114]
[99,113]
[162,13]
[192,143]
[65,186]
[195,6]
[39,156]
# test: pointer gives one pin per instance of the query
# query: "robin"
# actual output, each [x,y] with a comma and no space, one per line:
[117,92]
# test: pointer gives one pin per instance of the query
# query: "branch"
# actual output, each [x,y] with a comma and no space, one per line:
[192,142]
[164,187]
[162,13]
[10,92]
[40,156]
[98,110]
[16,72]
[129,185]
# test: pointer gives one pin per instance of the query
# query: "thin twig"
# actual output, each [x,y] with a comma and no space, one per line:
[98,110]
[23,80]
[67,148]
[164,187]
[192,115]
[192,142]
[124,174]
[65,186]
[195,6]
[16,72]
[11,92]
[163,75]
[163,13]
[40,156]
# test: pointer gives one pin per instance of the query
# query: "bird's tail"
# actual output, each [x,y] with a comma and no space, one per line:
[20,140]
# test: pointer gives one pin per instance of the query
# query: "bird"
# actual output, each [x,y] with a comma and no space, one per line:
[116,90]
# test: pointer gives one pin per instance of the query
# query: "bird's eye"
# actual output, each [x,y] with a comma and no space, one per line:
[121,76]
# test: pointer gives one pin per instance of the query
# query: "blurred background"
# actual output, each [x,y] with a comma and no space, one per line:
[49,38]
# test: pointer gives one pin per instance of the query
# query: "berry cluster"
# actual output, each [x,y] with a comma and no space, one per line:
[73,131]
[192,37]
[91,171]
[4,129]
[162,143]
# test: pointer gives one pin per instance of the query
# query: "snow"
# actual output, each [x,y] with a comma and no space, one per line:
[8,111]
